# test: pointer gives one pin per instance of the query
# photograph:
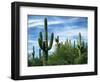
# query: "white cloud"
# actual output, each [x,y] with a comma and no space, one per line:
[30,21]
[41,22]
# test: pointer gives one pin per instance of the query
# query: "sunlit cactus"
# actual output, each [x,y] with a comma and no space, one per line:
[43,44]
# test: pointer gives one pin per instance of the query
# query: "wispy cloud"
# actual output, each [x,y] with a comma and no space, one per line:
[40,22]
[33,23]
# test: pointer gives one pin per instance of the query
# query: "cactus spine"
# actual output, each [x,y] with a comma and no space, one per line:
[44,43]
[33,53]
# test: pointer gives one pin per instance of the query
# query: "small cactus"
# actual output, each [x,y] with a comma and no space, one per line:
[40,54]
[57,41]
[86,45]
[68,43]
[74,45]
[33,53]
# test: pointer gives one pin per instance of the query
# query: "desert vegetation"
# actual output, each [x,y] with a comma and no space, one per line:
[65,53]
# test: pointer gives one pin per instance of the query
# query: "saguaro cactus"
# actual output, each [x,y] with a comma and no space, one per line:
[74,45]
[57,41]
[68,43]
[86,45]
[40,54]
[79,44]
[44,43]
[33,53]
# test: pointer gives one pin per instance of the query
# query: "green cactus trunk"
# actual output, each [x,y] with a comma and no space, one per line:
[46,39]
[44,43]
[45,55]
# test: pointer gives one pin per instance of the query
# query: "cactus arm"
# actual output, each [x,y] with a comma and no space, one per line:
[40,43]
[40,35]
[51,41]
[40,40]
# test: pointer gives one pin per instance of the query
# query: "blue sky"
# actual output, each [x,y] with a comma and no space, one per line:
[64,26]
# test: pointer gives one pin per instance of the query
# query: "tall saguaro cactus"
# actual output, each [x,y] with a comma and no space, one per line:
[79,44]
[44,43]
[33,53]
